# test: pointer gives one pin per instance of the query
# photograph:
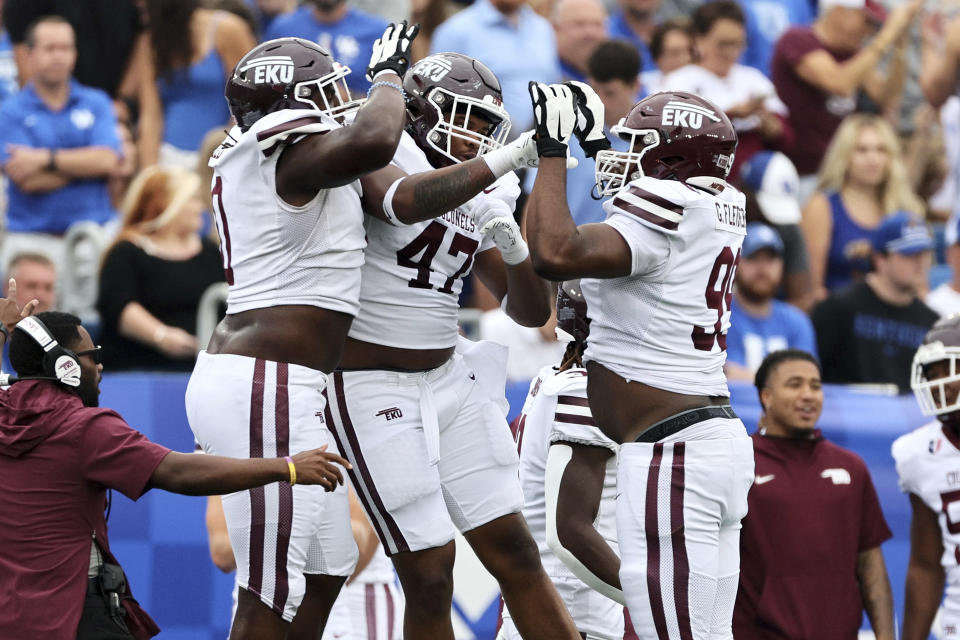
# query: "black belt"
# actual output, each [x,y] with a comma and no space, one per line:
[673,424]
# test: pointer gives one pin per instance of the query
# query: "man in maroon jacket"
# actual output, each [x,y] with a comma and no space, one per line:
[59,453]
[810,559]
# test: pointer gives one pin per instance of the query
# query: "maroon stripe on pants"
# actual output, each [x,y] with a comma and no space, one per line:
[285,515]
[681,567]
[652,532]
[360,465]
[258,510]
[370,598]
[391,614]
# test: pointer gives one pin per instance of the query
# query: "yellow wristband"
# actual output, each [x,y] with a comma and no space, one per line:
[293,470]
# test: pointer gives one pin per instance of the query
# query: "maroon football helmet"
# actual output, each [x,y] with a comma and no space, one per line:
[572,321]
[672,135]
[443,91]
[941,344]
[287,73]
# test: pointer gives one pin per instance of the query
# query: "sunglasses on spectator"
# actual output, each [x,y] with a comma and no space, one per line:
[96,354]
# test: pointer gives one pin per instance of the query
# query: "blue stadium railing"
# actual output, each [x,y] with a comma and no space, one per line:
[161,540]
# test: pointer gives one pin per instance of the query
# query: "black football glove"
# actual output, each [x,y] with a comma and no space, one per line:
[555,115]
[589,129]
[391,51]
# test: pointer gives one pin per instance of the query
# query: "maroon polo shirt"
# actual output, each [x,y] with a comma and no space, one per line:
[812,510]
[57,459]
[814,113]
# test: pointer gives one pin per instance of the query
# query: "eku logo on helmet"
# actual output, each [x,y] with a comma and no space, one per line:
[271,69]
[683,114]
[433,68]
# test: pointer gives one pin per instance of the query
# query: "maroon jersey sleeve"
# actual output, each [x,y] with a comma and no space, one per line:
[796,43]
[117,456]
[873,526]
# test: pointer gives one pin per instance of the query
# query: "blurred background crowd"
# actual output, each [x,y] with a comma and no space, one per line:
[847,110]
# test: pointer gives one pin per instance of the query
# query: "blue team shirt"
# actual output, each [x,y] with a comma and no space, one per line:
[766,21]
[8,68]
[87,120]
[618,28]
[751,338]
[516,50]
[350,40]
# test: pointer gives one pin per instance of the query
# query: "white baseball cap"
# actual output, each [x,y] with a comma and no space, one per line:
[874,9]
[774,179]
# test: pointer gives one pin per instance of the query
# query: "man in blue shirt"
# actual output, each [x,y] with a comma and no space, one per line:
[759,323]
[509,37]
[348,34]
[580,26]
[634,21]
[58,145]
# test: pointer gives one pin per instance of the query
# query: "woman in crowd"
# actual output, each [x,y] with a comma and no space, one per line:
[154,274]
[862,179]
[744,93]
[671,47]
[181,94]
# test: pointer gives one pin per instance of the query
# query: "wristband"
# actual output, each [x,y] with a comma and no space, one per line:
[516,254]
[388,205]
[502,161]
[293,470]
[384,83]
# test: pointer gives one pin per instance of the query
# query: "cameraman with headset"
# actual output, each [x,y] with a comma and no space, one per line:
[59,453]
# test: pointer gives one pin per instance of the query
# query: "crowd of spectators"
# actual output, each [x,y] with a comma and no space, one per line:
[109,111]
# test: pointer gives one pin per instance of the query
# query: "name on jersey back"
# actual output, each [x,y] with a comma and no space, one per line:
[731,217]
[460,219]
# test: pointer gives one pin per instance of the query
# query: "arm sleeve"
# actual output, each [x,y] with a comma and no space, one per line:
[649,249]
[104,130]
[117,456]
[795,44]
[804,337]
[873,527]
[119,281]
[11,132]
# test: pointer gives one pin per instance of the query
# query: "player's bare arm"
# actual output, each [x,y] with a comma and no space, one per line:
[561,250]
[925,575]
[336,158]
[424,196]
[528,302]
[573,501]
[875,592]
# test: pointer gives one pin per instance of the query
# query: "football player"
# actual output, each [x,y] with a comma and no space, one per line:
[657,275]
[928,463]
[424,426]
[287,208]
[568,470]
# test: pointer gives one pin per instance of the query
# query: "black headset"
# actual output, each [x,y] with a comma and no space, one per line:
[59,363]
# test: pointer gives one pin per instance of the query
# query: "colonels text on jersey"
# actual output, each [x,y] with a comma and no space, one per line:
[420,266]
[666,323]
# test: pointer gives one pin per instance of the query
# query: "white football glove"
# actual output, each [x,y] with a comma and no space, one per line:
[519,154]
[495,220]
[555,114]
[391,51]
[590,113]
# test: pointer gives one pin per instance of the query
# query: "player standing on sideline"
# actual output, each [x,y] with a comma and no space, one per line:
[568,470]
[660,270]
[424,426]
[287,207]
[928,463]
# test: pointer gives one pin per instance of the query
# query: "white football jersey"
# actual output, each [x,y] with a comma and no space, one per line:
[556,409]
[412,274]
[275,253]
[665,324]
[928,463]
